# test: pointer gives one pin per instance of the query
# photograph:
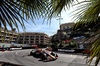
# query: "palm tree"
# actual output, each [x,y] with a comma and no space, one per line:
[13,12]
[89,14]
[95,39]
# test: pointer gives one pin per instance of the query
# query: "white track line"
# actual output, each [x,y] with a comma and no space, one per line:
[17,52]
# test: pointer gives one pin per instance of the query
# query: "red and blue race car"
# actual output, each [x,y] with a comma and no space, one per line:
[44,55]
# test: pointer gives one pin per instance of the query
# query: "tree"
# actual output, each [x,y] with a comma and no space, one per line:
[95,46]
[54,41]
[89,15]
[15,12]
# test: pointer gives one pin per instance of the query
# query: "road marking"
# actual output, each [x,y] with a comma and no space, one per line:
[20,51]
[71,55]
[17,52]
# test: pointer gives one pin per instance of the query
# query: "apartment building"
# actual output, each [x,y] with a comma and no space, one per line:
[8,36]
[33,38]
[64,32]
[66,26]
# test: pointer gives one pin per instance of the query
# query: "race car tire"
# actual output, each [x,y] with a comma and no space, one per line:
[56,55]
[30,53]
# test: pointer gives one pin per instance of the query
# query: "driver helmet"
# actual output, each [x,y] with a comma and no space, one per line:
[39,49]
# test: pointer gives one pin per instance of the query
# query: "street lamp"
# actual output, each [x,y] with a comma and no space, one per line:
[60,18]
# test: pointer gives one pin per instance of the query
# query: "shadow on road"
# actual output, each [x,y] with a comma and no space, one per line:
[8,64]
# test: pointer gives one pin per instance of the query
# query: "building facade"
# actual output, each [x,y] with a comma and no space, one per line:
[64,32]
[33,38]
[66,26]
[8,36]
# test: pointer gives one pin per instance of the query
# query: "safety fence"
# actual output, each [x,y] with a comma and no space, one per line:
[7,46]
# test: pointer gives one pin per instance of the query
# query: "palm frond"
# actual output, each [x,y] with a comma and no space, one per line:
[59,5]
[13,12]
[88,12]
[95,51]
[19,11]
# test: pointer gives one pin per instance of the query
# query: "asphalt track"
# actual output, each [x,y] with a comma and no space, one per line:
[22,57]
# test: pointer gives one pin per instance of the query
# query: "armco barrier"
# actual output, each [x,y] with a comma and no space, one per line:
[54,49]
[68,50]
[15,48]
[79,50]
[28,47]
[64,50]
[3,49]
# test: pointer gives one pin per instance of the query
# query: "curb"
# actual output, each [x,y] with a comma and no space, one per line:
[5,51]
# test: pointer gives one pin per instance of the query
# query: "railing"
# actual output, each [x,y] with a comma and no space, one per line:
[5,45]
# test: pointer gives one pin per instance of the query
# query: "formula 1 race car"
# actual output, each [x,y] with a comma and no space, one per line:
[36,52]
[48,56]
[44,55]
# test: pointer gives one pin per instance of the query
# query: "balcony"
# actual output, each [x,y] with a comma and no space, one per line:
[32,39]
[20,39]
[25,36]
[7,39]
[13,40]
[7,36]
[26,39]
[37,36]
[14,36]
[31,36]
[0,39]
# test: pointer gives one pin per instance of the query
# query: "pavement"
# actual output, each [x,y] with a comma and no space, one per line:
[22,57]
